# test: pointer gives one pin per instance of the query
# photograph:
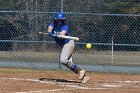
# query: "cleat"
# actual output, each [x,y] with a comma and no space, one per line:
[85,79]
[82,74]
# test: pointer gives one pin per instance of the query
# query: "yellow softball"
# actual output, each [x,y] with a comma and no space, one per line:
[88,45]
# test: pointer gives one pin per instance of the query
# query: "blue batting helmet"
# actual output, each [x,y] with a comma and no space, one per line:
[59,16]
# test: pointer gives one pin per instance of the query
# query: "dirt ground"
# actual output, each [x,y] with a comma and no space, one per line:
[42,81]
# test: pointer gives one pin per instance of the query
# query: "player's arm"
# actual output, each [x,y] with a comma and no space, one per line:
[50,28]
[64,30]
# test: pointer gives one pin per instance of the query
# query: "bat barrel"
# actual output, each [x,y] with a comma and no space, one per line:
[61,36]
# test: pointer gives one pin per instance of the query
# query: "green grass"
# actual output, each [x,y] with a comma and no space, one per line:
[90,57]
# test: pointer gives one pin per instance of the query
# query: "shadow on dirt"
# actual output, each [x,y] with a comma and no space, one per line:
[59,80]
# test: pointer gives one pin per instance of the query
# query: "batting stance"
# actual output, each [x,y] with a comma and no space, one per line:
[58,27]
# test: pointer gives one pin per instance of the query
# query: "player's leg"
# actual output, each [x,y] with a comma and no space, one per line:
[66,59]
[81,71]
[66,56]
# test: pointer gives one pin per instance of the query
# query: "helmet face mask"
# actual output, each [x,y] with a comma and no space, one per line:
[59,23]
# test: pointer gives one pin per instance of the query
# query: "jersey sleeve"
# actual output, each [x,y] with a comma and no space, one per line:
[51,24]
[65,27]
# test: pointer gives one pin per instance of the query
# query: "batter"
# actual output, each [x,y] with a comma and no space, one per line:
[58,27]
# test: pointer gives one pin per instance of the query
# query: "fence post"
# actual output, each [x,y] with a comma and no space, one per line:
[112,59]
[62,4]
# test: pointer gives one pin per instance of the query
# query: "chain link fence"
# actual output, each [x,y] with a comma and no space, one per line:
[111,26]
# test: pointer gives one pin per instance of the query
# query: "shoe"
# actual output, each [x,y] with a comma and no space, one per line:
[82,74]
[85,79]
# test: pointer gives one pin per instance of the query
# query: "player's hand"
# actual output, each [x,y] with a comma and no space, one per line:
[50,33]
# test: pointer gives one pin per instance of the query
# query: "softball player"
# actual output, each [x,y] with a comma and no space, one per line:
[58,27]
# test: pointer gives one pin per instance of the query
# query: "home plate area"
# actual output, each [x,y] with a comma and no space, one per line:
[32,81]
[98,85]
[70,86]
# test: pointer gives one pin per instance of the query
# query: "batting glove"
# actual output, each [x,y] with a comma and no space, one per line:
[50,33]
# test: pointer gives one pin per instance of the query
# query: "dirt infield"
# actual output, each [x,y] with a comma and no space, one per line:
[42,81]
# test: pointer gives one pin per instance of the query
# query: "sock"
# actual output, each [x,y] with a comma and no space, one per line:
[72,66]
[75,68]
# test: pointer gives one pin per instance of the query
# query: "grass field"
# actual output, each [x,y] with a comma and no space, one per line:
[88,57]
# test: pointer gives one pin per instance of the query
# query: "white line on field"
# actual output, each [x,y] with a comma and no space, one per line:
[111,85]
[75,86]
[40,91]
[55,90]
[129,81]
